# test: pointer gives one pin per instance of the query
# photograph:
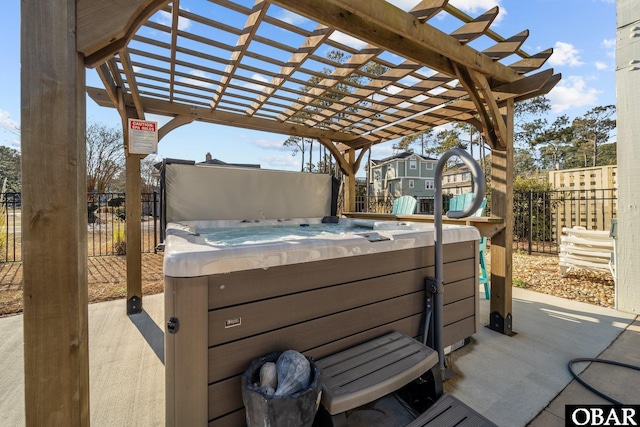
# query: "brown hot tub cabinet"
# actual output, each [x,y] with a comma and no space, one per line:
[217,323]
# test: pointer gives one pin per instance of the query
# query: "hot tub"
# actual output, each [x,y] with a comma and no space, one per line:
[236,290]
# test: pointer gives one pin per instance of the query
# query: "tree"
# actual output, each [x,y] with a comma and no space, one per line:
[10,169]
[524,164]
[554,142]
[593,130]
[448,139]
[346,86]
[528,123]
[297,145]
[424,138]
[105,156]
[403,146]
[468,129]
[149,175]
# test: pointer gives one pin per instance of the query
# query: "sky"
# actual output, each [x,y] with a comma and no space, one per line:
[581,32]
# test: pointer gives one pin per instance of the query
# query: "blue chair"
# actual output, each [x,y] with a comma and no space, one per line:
[405,205]
[458,203]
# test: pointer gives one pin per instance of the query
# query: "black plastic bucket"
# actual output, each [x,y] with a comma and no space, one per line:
[297,410]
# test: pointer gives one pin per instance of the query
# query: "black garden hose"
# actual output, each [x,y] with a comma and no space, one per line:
[591,388]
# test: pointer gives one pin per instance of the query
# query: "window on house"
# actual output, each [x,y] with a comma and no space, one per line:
[411,183]
[413,164]
[429,165]
[428,184]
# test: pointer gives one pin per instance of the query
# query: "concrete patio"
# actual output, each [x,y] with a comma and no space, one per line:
[513,381]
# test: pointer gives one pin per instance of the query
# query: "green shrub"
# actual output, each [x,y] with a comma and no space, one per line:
[519,283]
[116,202]
[120,214]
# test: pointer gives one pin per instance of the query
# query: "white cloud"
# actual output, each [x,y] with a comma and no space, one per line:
[472,7]
[292,18]
[392,89]
[601,65]
[610,46]
[164,18]
[572,92]
[477,7]
[381,151]
[197,82]
[7,123]
[565,54]
[282,161]
[347,40]
[403,4]
[10,131]
[256,86]
[272,144]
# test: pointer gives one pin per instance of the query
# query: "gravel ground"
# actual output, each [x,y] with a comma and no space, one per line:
[107,280]
[540,273]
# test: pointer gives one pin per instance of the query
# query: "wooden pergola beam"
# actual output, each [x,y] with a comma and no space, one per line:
[338,75]
[174,123]
[156,106]
[105,27]
[427,9]
[320,35]
[488,130]
[386,26]
[251,26]
[133,86]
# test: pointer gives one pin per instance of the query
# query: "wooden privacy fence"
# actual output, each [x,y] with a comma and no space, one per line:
[105,224]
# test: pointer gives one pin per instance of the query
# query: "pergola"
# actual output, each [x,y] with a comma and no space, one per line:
[243,64]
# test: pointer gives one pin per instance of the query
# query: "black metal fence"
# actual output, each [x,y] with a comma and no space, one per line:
[539,216]
[106,224]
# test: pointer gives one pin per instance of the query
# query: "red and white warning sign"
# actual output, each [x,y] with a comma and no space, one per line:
[143,137]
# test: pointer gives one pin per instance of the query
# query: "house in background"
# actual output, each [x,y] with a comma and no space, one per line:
[211,161]
[457,180]
[403,174]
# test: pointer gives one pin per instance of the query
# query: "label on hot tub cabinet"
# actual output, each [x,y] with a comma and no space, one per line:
[231,323]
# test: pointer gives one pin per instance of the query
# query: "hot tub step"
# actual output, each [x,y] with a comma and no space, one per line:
[364,373]
[448,412]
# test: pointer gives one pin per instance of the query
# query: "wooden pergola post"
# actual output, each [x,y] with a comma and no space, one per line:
[350,181]
[500,312]
[133,208]
[54,212]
